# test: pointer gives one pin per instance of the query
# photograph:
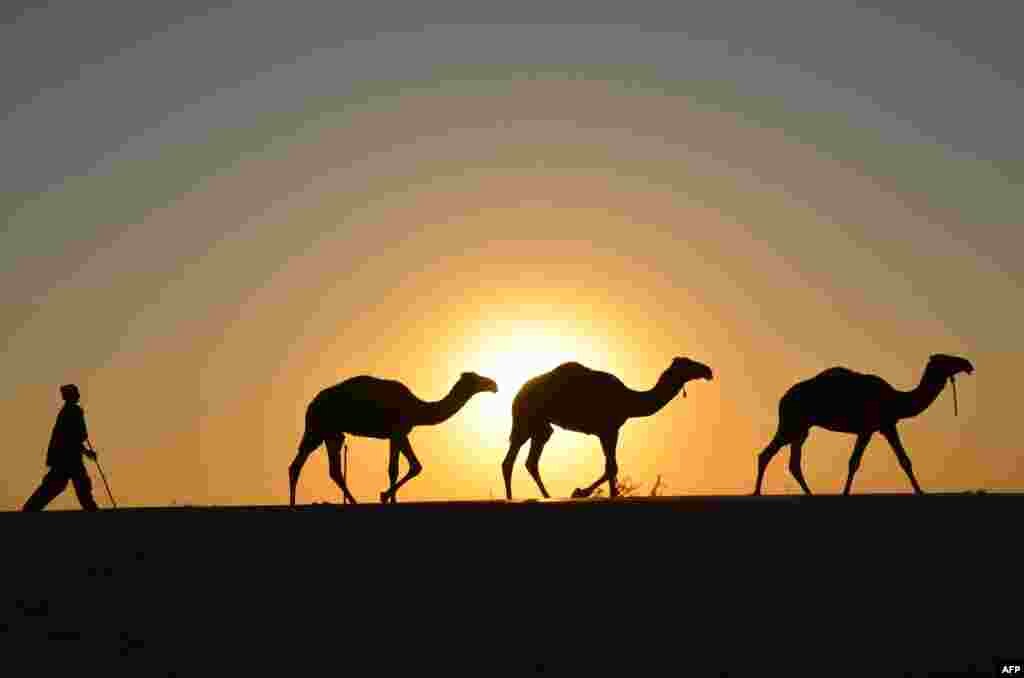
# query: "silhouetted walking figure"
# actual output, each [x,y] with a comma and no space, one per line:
[844,401]
[577,398]
[64,456]
[376,408]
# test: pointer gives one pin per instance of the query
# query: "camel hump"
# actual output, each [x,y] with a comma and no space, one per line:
[542,383]
[838,372]
[864,379]
[362,381]
[567,374]
[572,367]
[822,379]
[831,382]
[362,388]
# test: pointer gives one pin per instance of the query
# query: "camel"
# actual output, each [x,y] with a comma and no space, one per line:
[842,400]
[577,398]
[376,408]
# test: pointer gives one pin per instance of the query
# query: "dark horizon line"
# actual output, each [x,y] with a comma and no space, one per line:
[639,499]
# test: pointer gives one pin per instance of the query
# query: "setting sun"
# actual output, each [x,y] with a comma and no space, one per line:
[511,360]
[512,353]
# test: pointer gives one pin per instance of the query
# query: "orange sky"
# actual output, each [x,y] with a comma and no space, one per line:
[503,226]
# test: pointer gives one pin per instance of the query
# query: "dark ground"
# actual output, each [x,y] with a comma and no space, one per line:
[867,585]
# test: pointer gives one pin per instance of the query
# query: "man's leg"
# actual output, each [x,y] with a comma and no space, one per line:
[83,488]
[53,484]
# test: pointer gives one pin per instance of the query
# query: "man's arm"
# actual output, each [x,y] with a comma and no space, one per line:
[87,447]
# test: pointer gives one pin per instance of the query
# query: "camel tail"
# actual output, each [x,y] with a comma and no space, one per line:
[310,441]
[517,432]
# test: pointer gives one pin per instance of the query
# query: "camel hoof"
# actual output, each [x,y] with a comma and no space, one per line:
[383,497]
[579,494]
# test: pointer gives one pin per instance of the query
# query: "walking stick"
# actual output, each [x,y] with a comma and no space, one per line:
[103,476]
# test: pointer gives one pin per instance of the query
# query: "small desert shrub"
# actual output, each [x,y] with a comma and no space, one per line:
[630,488]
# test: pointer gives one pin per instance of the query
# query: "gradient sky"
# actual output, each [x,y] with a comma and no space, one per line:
[209,215]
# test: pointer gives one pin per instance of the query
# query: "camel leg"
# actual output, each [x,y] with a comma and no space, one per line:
[334,465]
[611,467]
[765,458]
[308,443]
[609,441]
[897,445]
[510,461]
[858,452]
[392,471]
[796,449]
[414,469]
[540,438]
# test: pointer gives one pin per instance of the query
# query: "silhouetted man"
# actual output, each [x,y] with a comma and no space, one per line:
[64,456]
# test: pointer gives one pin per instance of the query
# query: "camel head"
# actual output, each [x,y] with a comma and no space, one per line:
[949,365]
[471,382]
[683,370]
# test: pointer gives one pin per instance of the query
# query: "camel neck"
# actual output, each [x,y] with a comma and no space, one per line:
[916,401]
[438,411]
[647,403]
